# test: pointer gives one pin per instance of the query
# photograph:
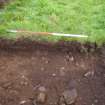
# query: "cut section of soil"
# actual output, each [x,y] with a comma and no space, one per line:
[26,66]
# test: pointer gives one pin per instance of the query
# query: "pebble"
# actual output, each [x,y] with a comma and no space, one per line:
[24,83]
[95,101]
[46,62]
[25,102]
[43,58]
[71,58]
[70,96]
[34,102]
[62,71]
[42,89]
[62,68]
[42,96]
[61,101]
[53,74]
[42,68]
[83,66]
[67,56]
[24,80]
[89,74]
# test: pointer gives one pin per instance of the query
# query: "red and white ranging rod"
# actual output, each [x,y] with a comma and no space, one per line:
[47,33]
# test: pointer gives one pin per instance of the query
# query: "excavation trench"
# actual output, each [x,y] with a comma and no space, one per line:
[25,66]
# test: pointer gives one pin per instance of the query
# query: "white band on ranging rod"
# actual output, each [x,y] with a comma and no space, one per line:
[68,35]
[47,33]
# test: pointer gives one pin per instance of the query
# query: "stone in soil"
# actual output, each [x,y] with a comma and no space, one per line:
[69,58]
[72,58]
[69,97]
[46,62]
[42,96]
[53,74]
[61,101]
[62,71]
[42,68]
[42,89]
[25,102]
[89,74]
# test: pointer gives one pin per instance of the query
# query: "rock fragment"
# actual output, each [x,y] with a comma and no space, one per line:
[42,96]
[68,97]
[89,74]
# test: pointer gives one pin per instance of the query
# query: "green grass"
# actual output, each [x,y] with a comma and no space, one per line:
[68,16]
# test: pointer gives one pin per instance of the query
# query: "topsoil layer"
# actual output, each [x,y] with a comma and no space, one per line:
[3,2]
[25,66]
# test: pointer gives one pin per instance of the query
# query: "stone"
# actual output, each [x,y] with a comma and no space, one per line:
[25,102]
[95,101]
[62,71]
[89,74]
[42,68]
[71,58]
[42,96]
[61,101]
[42,89]
[53,74]
[34,102]
[62,68]
[46,62]
[70,96]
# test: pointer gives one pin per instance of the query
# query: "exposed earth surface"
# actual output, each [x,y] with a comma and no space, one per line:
[34,73]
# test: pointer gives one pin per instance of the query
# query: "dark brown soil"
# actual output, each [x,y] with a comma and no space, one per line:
[25,66]
[3,2]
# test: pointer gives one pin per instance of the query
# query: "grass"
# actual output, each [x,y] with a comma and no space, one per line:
[64,16]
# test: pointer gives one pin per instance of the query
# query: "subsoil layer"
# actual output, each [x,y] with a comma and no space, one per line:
[25,66]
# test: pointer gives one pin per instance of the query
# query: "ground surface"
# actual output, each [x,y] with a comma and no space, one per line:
[24,69]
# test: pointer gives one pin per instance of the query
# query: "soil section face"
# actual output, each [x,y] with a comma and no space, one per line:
[26,66]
